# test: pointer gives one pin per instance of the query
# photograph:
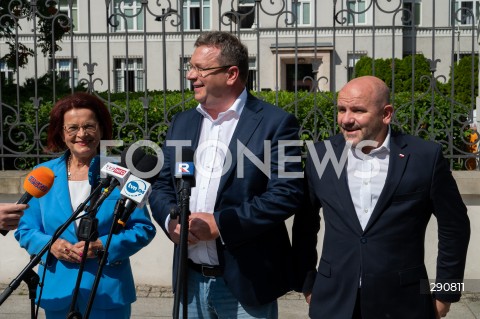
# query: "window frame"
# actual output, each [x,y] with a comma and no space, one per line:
[357,16]
[300,13]
[418,12]
[128,22]
[121,74]
[204,14]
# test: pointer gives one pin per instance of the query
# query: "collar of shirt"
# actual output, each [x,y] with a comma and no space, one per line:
[234,111]
[382,149]
[385,147]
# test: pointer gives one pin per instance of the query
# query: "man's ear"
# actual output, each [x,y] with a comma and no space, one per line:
[387,114]
[233,74]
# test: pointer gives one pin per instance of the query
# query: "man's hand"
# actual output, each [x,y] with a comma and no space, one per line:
[10,215]
[174,229]
[441,308]
[203,226]
[308,297]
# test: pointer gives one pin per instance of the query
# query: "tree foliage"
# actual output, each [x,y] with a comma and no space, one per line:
[51,26]
[465,77]
[398,71]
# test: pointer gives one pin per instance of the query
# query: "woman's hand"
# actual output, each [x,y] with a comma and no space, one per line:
[93,248]
[64,250]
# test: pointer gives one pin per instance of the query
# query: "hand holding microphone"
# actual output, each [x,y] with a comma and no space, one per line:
[10,215]
[37,183]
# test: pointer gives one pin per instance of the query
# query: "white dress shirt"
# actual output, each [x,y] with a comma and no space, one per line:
[366,174]
[79,191]
[210,156]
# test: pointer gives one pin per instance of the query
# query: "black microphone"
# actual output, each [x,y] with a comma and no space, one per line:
[145,168]
[185,170]
[94,172]
[94,178]
[37,183]
[135,194]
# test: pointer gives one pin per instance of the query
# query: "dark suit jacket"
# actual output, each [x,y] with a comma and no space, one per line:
[249,211]
[389,254]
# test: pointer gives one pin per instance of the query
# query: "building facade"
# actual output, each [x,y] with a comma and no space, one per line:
[136,45]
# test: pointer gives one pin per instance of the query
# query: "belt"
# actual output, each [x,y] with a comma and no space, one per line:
[206,270]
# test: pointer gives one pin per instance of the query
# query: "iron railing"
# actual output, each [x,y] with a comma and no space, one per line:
[115,48]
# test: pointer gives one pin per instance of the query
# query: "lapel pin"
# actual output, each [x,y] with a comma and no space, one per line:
[401,155]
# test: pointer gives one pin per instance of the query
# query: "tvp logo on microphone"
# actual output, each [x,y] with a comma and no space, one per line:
[136,189]
[184,169]
[115,170]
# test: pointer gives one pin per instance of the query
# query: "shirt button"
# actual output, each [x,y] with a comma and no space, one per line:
[365,210]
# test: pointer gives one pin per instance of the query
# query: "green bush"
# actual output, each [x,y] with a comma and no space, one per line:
[148,117]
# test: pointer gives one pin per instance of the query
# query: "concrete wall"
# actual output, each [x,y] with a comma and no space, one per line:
[153,264]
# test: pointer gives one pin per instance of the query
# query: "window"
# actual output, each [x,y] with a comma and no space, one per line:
[296,77]
[468,14]
[63,69]
[187,85]
[128,75]
[193,20]
[127,15]
[6,72]
[301,10]
[356,12]
[411,12]
[457,56]
[72,14]
[247,9]
[252,74]
[352,61]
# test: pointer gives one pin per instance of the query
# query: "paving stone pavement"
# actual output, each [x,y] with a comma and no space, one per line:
[157,302]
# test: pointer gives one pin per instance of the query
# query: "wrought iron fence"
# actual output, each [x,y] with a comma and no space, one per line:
[132,52]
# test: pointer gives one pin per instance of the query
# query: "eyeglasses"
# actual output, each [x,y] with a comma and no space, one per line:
[199,71]
[87,128]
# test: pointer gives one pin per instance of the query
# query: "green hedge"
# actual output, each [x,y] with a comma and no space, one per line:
[316,113]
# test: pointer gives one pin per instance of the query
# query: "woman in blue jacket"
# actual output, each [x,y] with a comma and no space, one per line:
[77,124]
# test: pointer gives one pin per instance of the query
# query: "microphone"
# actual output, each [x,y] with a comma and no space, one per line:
[37,183]
[146,165]
[94,172]
[94,178]
[185,170]
[117,175]
[185,174]
[135,194]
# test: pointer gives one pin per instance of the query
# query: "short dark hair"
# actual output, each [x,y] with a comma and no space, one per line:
[232,50]
[78,100]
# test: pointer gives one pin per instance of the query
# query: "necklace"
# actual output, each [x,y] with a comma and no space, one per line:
[69,161]
[69,164]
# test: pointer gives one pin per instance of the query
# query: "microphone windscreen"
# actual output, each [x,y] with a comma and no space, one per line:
[39,181]
[187,154]
[94,171]
[146,165]
[136,157]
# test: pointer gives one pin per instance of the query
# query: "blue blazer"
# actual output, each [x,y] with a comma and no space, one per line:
[249,211]
[116,287]
[388,255]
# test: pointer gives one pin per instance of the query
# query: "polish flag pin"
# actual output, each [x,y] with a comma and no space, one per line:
[401,155]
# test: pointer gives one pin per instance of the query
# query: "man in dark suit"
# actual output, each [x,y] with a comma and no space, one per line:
[378,192]
[247,185]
